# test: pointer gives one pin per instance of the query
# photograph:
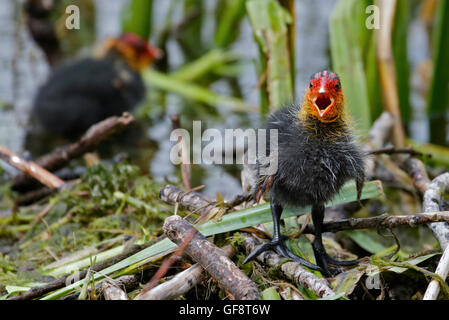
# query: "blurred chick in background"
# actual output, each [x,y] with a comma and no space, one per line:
[83,92]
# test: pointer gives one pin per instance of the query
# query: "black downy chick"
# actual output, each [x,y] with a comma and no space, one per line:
[316,156]
[81,93]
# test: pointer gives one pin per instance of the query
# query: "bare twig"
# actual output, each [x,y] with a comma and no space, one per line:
[416,169]
[113,292]
[212,259]
[384,221]
[169,262]
[192,201]
[96,134]
[432,202]
[442,270]
[380,131]
[185,166]
[182,283]
[432,199]
[393,150]
[30,168]
[291,270]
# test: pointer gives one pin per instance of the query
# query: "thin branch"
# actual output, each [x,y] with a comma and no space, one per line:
[192,201]
[94,136]
[32,169]
[185,166]
[212,259]
[384,221]
[113,292]
[417,171]
[442,270]
[393,150]
[432,202]
[182,283]
[168,262]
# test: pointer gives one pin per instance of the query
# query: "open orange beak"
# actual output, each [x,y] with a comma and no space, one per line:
[323,102]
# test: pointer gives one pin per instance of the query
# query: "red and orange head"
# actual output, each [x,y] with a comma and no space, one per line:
[137,52]
[324,98]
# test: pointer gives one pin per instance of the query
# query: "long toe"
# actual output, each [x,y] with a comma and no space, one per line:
[289,254]
[344,263]
[284,251]
[280,248]
[260,249]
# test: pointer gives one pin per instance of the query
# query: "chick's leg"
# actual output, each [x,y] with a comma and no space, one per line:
[321,256]
[277,244]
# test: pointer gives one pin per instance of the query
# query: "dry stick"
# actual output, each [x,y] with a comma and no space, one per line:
[432,199]
[384,221]
[393,150]
[212,259]
[381,130]
[292,270]
[417,170]
[112,292]
[185,167]
[30,168]
[378,135]
[387,71]
[124,283]
[182,283]
[168,262]
[196,202]
[442,270]
[95,135]
[192,201]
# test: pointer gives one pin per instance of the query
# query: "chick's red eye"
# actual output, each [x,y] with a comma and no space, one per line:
[311,86]
[337,86]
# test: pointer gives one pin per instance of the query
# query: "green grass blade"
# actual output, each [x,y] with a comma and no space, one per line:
[231,13]
[232,221]
[269,21]
[349,40]
[270,294]
[438,91]
[402,66]
[203,65]
[137,18]
[194,92]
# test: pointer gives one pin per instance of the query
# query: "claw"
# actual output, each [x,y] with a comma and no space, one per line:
[280,248]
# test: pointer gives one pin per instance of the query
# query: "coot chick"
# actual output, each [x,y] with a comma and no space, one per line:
[78,94]
[316,156]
